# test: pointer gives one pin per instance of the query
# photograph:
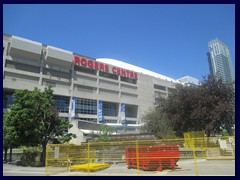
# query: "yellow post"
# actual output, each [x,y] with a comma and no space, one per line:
[88,158]
[137,158]
[68,159]
[93,160]
[194,155]
[202,148]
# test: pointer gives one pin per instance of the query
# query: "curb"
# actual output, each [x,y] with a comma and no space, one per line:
[221,158]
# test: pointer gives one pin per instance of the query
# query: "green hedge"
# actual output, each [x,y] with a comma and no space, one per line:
[31,157]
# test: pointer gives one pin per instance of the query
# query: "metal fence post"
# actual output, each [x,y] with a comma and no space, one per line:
[137,158]
[88,159]
[194,154]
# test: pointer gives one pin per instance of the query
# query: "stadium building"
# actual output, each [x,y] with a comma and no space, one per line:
[87,91]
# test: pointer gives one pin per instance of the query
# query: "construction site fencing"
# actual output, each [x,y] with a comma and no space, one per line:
[134,158]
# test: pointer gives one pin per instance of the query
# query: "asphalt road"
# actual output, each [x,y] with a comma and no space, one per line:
[185,168]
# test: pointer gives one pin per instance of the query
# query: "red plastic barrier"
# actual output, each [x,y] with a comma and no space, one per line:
[153,157]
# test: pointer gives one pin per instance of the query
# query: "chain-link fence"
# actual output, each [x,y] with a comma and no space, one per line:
[132,158]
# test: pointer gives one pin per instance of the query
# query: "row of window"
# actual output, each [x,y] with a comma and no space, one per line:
[156,86]
[110,109]
[82,106]
[89,106]
[66,75]
[86,119]
[57,68]
[62,103]
[7,100]
[105,74]
[95,120]
[109,121]
[86,106]
[164,88]
[108,75]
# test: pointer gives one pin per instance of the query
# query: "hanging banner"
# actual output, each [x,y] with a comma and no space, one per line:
[73,107]
[100,114]
[123,118]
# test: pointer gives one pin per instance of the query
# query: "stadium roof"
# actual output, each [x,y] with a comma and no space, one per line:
[134,68]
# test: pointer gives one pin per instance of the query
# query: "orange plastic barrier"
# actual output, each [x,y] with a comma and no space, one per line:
[152,157]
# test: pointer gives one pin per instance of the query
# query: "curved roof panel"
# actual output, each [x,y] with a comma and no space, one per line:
[124,65]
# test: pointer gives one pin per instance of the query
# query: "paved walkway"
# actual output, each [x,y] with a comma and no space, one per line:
[13,170]
[185,168]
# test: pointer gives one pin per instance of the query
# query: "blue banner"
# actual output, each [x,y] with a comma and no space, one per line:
[100,114]
[123,118]
[73,107]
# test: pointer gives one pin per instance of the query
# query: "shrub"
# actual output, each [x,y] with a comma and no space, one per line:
[31,157]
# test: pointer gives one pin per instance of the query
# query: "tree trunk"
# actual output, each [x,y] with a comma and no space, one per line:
[10,158]
[208,133]
[43,154]
[229,131]
[5,153]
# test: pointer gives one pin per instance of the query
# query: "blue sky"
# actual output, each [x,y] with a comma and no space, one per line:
[168,39]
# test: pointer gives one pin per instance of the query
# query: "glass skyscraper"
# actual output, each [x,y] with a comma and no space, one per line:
[220,61]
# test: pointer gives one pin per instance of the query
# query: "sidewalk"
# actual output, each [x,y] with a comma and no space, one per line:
[14,170]
[213,167]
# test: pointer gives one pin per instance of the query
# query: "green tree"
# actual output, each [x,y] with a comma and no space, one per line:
[209,107]
[217,107]
[178,108]
[36,120]
[10,138]
[105,132]
[157,123]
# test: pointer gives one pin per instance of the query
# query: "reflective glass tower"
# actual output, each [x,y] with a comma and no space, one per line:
[220,61]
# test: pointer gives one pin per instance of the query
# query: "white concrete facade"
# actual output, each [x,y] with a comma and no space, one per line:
[28,64]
